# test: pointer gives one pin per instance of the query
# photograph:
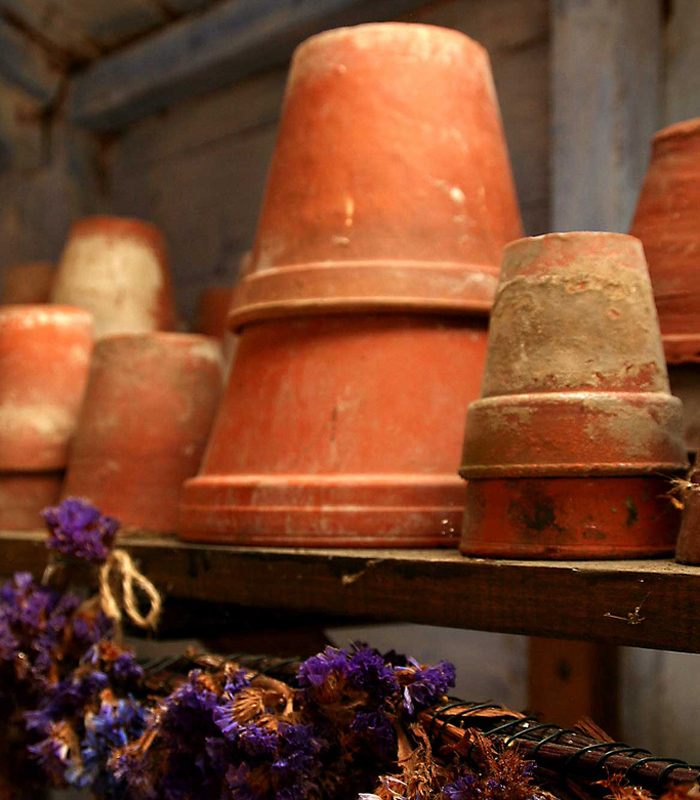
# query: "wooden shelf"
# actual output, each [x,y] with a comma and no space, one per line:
[651,603]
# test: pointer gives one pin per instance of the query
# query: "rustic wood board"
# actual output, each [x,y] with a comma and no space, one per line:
[654,603]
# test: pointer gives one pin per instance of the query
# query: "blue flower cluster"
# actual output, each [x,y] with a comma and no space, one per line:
[78,530]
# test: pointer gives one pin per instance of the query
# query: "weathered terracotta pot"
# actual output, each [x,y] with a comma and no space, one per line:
[23,495]
[212,312]
[340,431]
[148,408]
[117,269]
[566,450]
[667,220]
[688,546]
[44,360]
[27,283]
[389,191]
[390,186]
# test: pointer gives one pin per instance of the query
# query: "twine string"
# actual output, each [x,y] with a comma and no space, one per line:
[120,567]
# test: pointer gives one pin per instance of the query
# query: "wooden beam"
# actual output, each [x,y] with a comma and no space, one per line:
[605,73]
[682,74]
[209,51]
[25,65]
[638,603]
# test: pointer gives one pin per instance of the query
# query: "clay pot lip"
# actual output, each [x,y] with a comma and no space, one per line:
[175,337]
[688,127]
[127,227]
[681,348]
[566,236]
[47,313]
[403,27]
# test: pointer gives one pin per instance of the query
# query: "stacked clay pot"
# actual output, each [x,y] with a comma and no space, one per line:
[116,268]
[148,408]
[567,450]
[27,283]
[667,220]
[44,360]
[688,546]
[363,316]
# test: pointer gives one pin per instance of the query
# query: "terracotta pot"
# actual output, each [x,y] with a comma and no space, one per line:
[148,409]
[390,186]
[117,269]
[340,431]
[27,283]
[667,220]
[688,547]
[567,449]
[44,359]
[23,495]
[212,312]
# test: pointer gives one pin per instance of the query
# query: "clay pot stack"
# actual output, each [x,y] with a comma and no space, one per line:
[44,359]
[567,450]
[667,220]
[148,409]
[363,319]
[116,268]
[27,283]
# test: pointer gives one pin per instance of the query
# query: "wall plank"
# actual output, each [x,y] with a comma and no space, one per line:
[25,64]
[682,73]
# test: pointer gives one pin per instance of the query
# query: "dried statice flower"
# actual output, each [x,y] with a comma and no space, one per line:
[424,686]
[78,530]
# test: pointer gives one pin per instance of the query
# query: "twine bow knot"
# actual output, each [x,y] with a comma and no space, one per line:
[119,569]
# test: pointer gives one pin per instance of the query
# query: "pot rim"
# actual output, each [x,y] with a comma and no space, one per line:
[687,127]
[45,310]
[127,227]
[571,236]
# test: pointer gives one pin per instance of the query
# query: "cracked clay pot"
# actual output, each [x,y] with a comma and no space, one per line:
[567,450]
[148,408]
[117,269]
[388,202]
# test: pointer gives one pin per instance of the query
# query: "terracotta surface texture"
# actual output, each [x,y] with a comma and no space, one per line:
[340,431]
[212,312]
[575,404]
[667,221]
[23,495]
[148,409]
[27,283]
[688,546]
[44,359]
[117,269]
[390,186]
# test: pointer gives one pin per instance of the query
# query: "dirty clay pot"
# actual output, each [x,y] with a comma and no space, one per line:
[117,269]
[23,495]
[667,221]
[389,191]
[44,359]
[688,546]
[148,409]
[390,186]
[27,283]
[567,449]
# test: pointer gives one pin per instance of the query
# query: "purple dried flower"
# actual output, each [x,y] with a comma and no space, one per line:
[53,754]
[463,788]
[78,530]
[379,731]
[424,686]
[368,672]
[316,670]
[126,670]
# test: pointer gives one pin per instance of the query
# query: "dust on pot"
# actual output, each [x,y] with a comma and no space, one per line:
[148,409]
[567,449]
[44,360]
[117,269]
[27,283]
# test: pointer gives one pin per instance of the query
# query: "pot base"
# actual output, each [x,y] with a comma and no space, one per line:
[569,518]
[24,495]
[324,511]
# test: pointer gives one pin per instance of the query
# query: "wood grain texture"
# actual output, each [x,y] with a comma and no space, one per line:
[606,67]
[639,603]
[205,52]
[682,68]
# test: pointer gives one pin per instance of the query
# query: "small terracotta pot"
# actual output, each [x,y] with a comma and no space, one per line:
[24,495]
[27,283]
[688,547]
[44,360]
[566,450]
[117,269]
[340,431]
[148,409]
[667,220]
[390,186]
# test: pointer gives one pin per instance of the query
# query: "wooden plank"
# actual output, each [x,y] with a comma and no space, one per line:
[682,73]
[651,603]
[606,67]
[201,53]
[186,6]
[110,24]
[572,680]
[24,64]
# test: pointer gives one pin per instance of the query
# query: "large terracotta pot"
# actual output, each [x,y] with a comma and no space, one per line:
[24,495]
[27,283]
[566,450]
[44,360]
[389,191]
[117,269]
[148,409]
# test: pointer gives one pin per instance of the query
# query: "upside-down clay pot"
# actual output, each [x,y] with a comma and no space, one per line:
[389,191]
[688,545]
[24,495]
[213,310]
[27,283]
[117,269]
[148,408]
[44,359]
[567,450]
